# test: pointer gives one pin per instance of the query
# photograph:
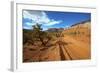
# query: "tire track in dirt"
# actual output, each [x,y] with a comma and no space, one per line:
[66,49]
[61,52]
[64,53]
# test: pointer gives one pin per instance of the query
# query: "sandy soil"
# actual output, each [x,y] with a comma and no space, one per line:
[66,47]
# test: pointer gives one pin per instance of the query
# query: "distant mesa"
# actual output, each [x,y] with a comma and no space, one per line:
[55,29]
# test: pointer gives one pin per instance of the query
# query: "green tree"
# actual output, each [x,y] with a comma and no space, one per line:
[40,34]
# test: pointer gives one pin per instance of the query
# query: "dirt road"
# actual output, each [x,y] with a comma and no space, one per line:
[68,48]
[63,48]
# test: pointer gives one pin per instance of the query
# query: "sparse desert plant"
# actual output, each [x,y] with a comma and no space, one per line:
[27,37]
[41,35]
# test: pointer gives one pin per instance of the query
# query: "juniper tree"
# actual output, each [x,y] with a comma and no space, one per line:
[41,35]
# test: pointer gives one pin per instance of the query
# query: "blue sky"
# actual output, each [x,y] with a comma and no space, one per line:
[52,19]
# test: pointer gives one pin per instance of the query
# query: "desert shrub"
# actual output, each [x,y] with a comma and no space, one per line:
[41,35]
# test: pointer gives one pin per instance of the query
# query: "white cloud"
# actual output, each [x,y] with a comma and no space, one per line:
[39,17]
[29,24]
[53,23]
[25,27]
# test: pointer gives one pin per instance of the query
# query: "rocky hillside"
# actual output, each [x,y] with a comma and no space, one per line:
[80,31]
